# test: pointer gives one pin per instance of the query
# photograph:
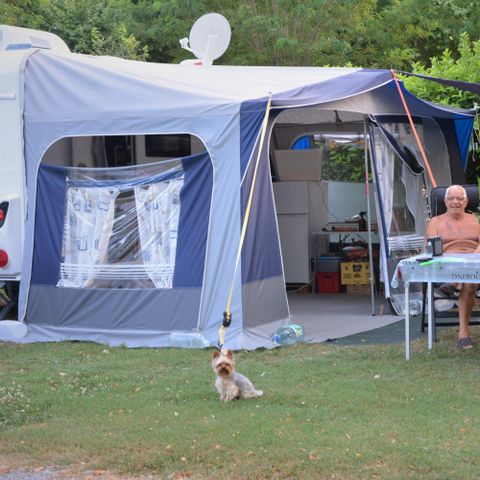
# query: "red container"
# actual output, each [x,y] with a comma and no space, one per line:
[328,282]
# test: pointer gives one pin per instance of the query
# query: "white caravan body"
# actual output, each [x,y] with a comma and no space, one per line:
[15,46]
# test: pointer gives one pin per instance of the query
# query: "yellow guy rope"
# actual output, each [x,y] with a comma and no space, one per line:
[227,316]
[417,138]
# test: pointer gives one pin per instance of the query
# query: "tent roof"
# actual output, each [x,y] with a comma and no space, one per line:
[231,83]
[74,86]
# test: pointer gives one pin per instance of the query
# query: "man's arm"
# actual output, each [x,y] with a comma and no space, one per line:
[477,250]
[432,228]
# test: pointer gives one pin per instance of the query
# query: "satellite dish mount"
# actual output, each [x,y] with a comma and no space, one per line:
[209,39]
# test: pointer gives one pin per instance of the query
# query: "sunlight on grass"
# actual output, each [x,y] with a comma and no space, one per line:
[328,411]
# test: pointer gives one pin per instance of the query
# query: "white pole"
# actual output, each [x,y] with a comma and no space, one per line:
[369,224]
[430,315]
[407,320]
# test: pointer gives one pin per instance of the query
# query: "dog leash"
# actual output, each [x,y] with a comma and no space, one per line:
[227,320]
[227,314]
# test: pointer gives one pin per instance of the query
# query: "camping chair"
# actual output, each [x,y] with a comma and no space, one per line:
[437,207]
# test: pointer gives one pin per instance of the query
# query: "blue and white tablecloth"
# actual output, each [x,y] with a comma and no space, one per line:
[452,268]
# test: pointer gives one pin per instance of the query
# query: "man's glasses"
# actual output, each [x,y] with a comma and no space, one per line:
[458,199]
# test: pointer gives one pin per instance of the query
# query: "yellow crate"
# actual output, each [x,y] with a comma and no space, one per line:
[355,273]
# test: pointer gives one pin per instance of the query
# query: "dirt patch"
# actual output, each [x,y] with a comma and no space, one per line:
[51,473]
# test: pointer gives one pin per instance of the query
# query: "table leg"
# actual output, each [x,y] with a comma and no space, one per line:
[407,320]
[430,315]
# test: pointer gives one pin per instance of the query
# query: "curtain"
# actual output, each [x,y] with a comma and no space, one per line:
[88,226]
[158,209]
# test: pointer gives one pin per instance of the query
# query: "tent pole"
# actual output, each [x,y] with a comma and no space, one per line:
[369,223]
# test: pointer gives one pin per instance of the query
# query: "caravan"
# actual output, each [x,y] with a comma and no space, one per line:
[13,207]
[125,187]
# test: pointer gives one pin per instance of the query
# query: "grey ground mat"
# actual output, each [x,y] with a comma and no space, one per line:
[333,316]
[392,333]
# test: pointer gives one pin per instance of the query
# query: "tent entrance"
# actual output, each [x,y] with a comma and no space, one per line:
[318,160]
[318,176]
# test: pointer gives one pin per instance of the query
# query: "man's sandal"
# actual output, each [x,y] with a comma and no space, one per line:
[449,290]
[464,343]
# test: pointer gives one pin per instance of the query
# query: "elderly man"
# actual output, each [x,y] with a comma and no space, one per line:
[460,232]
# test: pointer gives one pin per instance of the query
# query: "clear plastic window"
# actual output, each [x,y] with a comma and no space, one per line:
[120,227]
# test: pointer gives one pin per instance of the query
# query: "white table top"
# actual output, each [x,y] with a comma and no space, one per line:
[452,267]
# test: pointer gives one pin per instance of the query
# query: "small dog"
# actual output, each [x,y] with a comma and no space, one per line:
[231,384]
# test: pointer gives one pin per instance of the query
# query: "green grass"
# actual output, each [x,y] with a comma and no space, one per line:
[328,412]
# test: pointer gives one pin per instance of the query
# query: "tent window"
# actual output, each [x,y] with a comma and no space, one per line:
[113,151]
[167,145]
[121,235]
[303,143]
[342,155]
[402,218]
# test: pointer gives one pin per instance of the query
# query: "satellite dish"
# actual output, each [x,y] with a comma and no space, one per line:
[209,39]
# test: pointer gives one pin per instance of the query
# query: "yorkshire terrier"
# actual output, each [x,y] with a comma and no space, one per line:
[231,384]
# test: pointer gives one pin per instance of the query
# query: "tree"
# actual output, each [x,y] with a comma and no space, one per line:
[310,33]
[23,12]
[87,26]
[95,27]
[344,163]
[467,68]
[409,31]
[367,33]
[161,23]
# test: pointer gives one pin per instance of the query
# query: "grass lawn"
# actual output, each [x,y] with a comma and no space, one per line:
[328,412]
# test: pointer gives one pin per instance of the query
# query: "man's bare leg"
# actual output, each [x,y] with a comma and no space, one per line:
[466,302]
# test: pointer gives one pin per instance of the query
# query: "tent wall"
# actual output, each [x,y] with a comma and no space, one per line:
[130,310]
[219,131]
[136,312]
[264,299]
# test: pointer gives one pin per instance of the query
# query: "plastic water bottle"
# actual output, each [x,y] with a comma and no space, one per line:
[429,249]
[187,340]
[415,308]
[289,335]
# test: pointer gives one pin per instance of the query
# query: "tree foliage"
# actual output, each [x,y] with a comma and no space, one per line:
[87,26]
[345,163]
[465,66]
[310,33]
[161,23]
[368,33]
[417,30]
[23,13]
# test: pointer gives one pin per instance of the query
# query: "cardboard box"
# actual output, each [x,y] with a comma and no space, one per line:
[358,289]
[298,165]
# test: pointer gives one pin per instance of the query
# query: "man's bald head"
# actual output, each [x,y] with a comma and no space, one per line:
[455,190]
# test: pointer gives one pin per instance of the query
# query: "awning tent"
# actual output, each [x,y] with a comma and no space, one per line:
[70,95]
